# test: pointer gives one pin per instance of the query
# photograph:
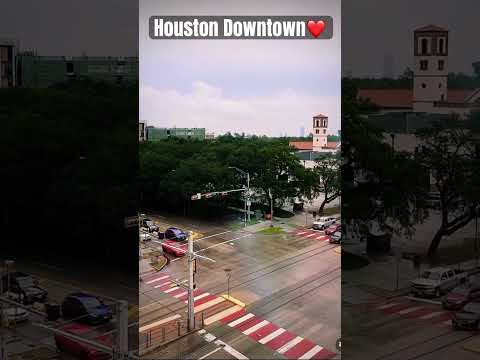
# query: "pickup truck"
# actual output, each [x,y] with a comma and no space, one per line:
[438,281]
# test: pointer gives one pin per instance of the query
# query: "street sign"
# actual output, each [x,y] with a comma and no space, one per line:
[131,221]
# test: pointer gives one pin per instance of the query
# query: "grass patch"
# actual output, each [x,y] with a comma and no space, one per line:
[351,261]
[272,230]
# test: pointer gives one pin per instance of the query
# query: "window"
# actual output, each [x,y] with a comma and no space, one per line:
[440,85]
[441,64]
[318,123]
[424,46]
[441,46]
[423,64]
[317,131]
[442,98]
[324,131]
[69,67]
[424,85]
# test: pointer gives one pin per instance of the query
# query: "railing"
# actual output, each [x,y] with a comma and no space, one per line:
[163,334]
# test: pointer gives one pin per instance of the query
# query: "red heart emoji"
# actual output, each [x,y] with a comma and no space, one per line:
[316,28]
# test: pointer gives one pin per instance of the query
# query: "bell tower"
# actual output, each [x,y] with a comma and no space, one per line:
[320,126]
[430,68]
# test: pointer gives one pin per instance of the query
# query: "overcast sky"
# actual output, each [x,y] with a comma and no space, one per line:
[373,28]
[266,87]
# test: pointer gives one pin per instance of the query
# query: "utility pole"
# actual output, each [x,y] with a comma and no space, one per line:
[248,196]
[271,207]
[191,310]
[122,328]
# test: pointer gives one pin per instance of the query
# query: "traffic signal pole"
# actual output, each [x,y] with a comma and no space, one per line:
[191,310]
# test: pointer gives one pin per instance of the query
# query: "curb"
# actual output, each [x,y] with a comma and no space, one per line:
[233,300]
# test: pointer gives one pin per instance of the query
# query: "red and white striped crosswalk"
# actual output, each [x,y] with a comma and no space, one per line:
[261,330]
[311,234]
[433,314]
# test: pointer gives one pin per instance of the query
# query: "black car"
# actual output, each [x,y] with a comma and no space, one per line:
[85,308]
[150,225]
[468,317]
[25,286]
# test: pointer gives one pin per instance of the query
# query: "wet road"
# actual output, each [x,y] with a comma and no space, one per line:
[290,281]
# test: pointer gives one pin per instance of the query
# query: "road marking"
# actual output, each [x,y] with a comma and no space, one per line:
[387,306]
[272,336]
[157,279]
[409,310]
[181,294]
[221,314]
[199,297]
[231,351]
[162,285]
[238,238]
[301,233]
[171,289]
[289,345]
[159,322]
[255,327]
[208,304]
[310,235]
[242,319]
[431,315]
[206,237]
[436,302]
[210,353]
[309,354]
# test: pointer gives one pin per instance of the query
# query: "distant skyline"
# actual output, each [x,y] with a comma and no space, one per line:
[389,30]
[264,87]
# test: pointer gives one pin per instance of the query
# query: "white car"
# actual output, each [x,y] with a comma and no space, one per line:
[14,315]
[335,238]
[323,222]
[145,237]
[438,281]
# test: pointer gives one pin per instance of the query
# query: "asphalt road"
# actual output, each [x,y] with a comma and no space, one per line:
[284,279]
[399,328]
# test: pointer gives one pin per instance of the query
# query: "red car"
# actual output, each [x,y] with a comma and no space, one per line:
[80,349]
[174,248]
[333,229]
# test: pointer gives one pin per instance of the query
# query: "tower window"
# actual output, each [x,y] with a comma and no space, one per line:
[441,64]
[324,131]
[424,85]
[442,98]
[424,46]
[69,67]
[318,123]
[441,46]
[423,64]
[317,131]
[440,85]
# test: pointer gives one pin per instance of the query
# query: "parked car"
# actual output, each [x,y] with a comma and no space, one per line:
[172,244]
[323,222]
[85,308]
[461,295]
[468,317]
[335,238]
[24,286]
[150,225]
[332,229]
[13,315]
[80,349]
[437,281]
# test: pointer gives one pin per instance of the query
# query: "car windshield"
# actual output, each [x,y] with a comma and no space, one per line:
[431,275]
[25,281]
[90,302]
[472,308]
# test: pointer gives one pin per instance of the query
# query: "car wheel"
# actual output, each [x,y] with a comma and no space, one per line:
[437,292]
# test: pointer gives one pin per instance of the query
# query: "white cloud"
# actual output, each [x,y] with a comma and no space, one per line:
[284,111]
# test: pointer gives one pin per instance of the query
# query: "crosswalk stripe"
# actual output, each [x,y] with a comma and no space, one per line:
[242,319]
[309,354]
[409,310]
[255,327]
[171,289]
[159,322]
[221,314]
[162,285]
[208,304]
[181,294]
[290,344]
[198,297]
[301,233]
[431,315]
[272,336]
[387,306]
[157,279]
[310,235]
[322,237]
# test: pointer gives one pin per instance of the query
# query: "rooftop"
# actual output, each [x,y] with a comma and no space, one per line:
[430,27]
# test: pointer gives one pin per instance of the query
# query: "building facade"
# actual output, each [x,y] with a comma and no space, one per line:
[8,63]
[156,134]
[42,71]
[320,126]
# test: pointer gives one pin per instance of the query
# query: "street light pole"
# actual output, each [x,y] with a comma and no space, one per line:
[271,207]
[191,313]
[228,273]
[246,194]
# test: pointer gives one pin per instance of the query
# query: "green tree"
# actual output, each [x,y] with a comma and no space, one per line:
[328,174]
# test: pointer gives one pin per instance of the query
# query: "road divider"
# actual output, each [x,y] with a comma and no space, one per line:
[234,300]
